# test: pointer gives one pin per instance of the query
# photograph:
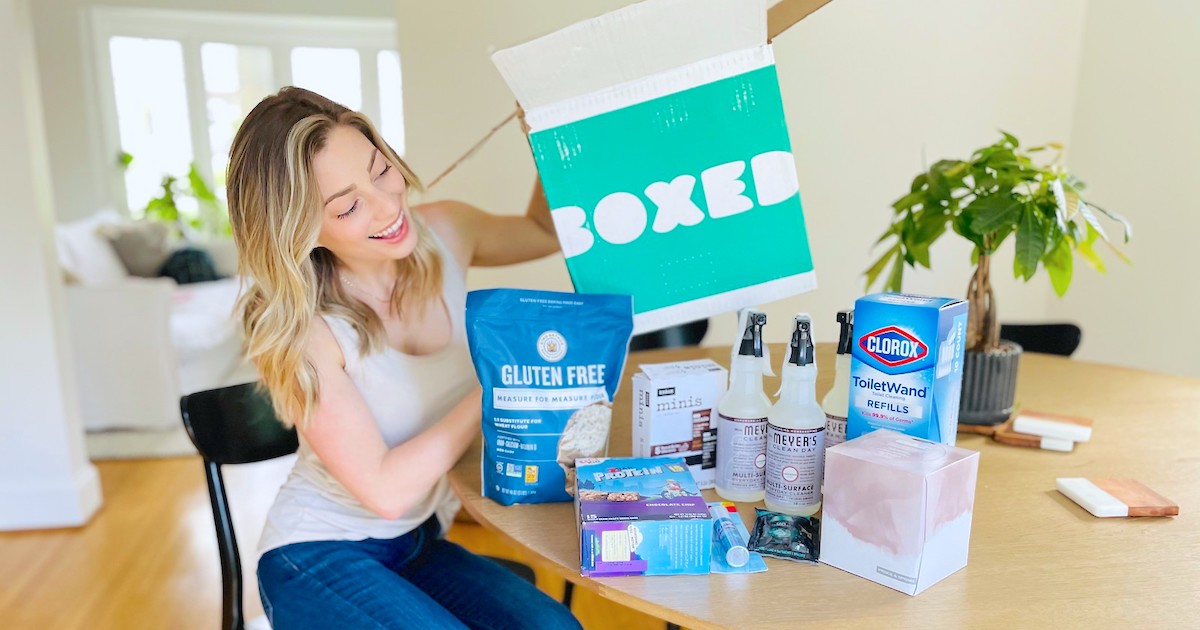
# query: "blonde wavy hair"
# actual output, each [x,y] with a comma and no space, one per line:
[276,212]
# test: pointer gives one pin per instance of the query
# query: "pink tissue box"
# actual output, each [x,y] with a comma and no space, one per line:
[897,509]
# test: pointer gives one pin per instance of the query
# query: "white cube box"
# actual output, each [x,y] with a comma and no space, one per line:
[897,509]
[675,414]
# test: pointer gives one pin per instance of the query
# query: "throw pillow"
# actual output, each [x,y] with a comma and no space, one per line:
[85,254]
[189,265]
[143,246]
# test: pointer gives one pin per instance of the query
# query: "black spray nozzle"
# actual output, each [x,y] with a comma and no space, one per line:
[752,334]
[802,346]
[846,339]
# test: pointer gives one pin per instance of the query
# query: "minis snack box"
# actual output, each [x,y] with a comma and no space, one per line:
[641,516]
[675,414]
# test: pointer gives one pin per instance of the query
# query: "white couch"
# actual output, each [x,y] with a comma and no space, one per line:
[141,343]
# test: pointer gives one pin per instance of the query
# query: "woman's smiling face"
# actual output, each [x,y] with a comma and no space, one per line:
[365,204]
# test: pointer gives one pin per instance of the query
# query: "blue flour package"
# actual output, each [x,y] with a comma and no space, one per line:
[906,366]
[549,364]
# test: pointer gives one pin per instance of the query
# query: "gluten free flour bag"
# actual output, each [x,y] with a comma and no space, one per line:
[549,364]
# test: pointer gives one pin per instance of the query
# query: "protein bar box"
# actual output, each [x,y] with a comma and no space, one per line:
[641,516]
[675,414]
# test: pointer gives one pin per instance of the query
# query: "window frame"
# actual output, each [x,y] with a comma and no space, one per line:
[278,33]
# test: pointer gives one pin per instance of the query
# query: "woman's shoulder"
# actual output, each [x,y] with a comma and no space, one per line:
[322,347]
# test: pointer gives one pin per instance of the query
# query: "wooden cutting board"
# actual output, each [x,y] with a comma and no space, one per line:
[1116,497]
[1005,434]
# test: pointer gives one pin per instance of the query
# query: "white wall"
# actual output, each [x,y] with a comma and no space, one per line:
[874,91]
[79,164]
[1134,143]
[45,478]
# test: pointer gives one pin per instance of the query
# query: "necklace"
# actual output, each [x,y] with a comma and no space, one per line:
[346,280]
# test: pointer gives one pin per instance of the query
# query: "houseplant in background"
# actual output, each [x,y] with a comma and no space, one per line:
[192,207]
[195,214]
[1001,191]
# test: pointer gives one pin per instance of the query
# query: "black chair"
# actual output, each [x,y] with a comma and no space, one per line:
[237,425]
[689,334]
[1059,339]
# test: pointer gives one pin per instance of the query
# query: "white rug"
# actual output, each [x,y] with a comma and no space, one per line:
[139,444]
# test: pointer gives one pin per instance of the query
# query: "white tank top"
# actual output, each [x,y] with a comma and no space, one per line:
[406,394]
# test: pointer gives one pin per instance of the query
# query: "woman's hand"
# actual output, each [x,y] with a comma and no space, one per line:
[345,437]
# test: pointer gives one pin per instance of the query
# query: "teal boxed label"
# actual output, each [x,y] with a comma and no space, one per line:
[678,198]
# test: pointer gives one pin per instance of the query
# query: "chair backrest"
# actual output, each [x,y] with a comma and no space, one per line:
[232,425]
[1060,339]
[236,425]
[689,334]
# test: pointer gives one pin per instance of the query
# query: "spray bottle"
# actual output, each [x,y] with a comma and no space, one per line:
[837,402]
[796,431]
[742,415]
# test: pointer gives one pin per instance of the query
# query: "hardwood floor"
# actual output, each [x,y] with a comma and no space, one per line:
[148,559]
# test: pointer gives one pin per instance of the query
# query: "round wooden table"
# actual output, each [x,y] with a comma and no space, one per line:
[1036,558]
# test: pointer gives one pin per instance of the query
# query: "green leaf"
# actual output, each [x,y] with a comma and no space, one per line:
[124,159]
[1060,204]
[908,201]
[891,231]
[1058,263]
[1120,254]
[939,188]
[920,254]
[200,189]
[1077,231]
[877,268]
[952,171]
[1073,200]
[896,278]
[918,182]
[993,211]
[1092,221]
[999,235]
[1120,219]
[1085,249]
[1031,243]
[963,229]
[1010,138]
[930,227]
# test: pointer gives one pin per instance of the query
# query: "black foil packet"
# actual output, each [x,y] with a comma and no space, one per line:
[784,536]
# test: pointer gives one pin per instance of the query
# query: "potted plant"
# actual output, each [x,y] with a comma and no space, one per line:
[999,192]
[194,213]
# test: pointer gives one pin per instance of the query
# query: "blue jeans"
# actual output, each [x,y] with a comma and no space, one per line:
[417,580]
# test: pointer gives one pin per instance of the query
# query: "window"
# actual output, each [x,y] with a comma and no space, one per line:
[173,86]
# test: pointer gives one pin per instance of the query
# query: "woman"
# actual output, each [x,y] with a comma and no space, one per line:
[354,318]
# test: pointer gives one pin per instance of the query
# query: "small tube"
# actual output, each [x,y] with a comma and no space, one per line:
[730,541]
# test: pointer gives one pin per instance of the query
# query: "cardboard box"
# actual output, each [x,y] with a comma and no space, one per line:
[658,131]
[897,509]
[641,516]
[906,365]
[675,414]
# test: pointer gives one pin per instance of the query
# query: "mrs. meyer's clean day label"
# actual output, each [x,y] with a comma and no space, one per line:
[906,370]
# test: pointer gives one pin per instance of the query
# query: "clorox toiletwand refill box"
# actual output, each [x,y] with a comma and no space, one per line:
[906,366]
